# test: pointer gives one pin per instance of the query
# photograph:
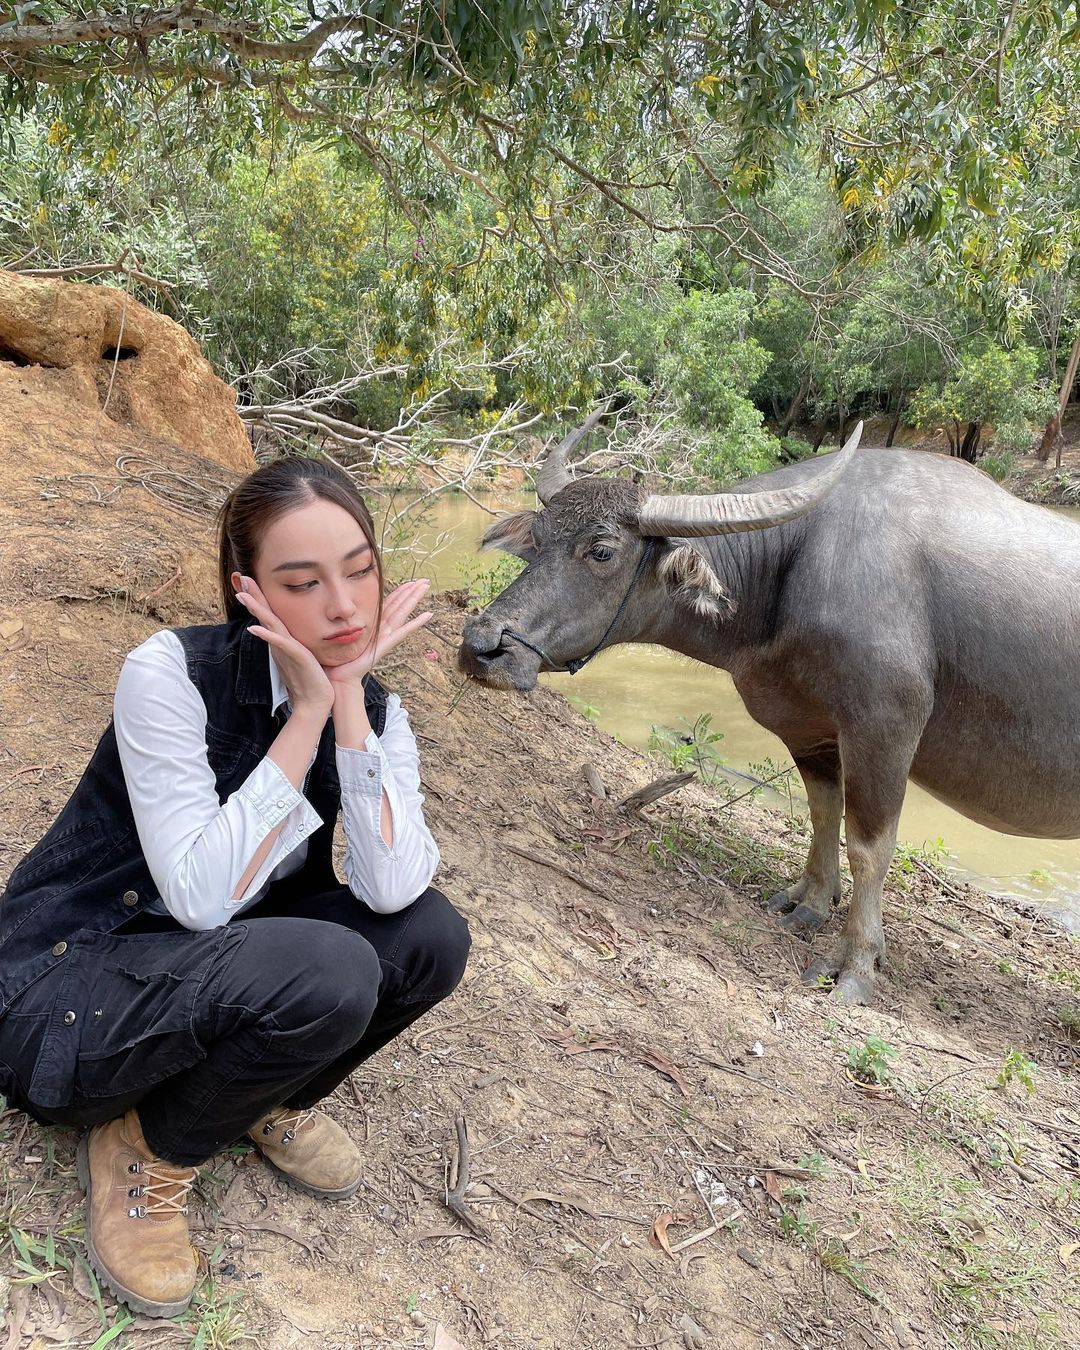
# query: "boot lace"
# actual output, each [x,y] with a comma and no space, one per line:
[164,1191]
[292,1122]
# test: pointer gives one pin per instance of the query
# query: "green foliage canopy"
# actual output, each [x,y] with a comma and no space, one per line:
[950,119]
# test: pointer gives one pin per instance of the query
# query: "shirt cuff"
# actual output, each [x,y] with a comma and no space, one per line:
[361,771]
[271,794]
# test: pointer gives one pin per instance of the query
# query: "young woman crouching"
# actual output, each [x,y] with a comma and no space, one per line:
[179,964]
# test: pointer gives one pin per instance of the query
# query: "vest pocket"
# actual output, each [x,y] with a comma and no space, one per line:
[56,851]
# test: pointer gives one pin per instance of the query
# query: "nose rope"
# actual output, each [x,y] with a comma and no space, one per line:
[572,667]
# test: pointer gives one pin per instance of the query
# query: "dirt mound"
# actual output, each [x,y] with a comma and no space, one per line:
[97,349]
[666,1141]
[87,462]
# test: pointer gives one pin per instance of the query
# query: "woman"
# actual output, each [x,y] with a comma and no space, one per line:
[179,964]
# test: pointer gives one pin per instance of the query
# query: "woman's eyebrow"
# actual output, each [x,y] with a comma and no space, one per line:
[304,566]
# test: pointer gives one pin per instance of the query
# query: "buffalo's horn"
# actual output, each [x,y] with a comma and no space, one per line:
[554,475]
[727,512]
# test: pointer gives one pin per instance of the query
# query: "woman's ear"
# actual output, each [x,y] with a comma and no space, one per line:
[236,581]
[513,534]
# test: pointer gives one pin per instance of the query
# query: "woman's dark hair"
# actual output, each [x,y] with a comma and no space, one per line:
[272,490]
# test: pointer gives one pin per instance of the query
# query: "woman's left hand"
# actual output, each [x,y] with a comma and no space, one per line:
[395,627]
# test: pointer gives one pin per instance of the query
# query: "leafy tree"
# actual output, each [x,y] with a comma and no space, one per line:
[989,386]
[687,360]
[707,367]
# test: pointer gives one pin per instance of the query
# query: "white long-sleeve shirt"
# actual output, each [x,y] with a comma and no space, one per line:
[197,848]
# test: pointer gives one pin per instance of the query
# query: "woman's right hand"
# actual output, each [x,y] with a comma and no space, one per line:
[309,689]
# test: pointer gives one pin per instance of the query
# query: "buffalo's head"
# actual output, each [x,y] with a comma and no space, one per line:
[607,562]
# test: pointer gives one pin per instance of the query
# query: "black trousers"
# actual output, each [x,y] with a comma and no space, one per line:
[206,1031]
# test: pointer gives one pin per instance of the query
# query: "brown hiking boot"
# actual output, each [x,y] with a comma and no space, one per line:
[136,1219]
[311,1151]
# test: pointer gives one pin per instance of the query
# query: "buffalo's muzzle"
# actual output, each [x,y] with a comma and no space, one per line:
[487,655]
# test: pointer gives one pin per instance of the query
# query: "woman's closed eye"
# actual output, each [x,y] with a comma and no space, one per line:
[309,585]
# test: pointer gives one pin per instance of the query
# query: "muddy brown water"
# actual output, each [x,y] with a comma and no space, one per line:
[631,689]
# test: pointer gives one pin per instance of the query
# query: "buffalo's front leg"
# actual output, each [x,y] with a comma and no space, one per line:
[875,779]
[805,906]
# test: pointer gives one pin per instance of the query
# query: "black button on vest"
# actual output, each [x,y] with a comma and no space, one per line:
[88,873]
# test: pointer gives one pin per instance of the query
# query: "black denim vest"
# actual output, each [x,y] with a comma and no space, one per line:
[88,873]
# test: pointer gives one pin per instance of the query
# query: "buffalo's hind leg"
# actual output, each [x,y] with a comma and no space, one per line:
[805,906]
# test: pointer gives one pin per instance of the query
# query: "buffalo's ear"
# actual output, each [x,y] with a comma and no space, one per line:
[513,534]
[692,582]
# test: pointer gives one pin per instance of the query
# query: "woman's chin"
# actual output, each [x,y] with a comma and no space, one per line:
[340,653]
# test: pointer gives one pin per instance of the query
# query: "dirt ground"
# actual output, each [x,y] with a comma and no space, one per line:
[659,1137]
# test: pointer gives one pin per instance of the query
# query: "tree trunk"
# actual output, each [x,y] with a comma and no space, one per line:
[896,420]
[795,406]
[819,436]
[969,446]
[843,422]
[1053,427]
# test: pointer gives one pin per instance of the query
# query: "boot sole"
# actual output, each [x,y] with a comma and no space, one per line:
[342,1194]
[140,1305]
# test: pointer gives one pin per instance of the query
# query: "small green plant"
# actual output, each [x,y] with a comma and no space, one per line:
[1040,876]
[794,448]
[911,858]
[1068,1014]
[1016,1067]
[815,1164]
[36,1259]
[690,747]
[798,1228]
[999,467]
[412,1303]
[485,578]
[1007,1148]
[870,1062]
[1069,978]
[1066,1194]
[1006,966]
[586,709]
[779,777]
[216,1321]
[834,1257]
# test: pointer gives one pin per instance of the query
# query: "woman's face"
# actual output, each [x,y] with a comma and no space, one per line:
[317,571]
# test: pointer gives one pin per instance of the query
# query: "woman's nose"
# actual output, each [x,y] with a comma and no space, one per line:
[339,603]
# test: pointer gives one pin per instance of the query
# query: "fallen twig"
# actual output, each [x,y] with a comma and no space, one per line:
[651,792]
[313,1247]
[454,1199]
[556,867]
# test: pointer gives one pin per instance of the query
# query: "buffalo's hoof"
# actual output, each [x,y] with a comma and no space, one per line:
[803,921]
[857,989]
[822,973]
[780,903]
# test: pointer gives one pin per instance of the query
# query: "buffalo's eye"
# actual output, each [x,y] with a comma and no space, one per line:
[601,553]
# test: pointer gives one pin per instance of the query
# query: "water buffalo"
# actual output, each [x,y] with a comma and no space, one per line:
[887,613]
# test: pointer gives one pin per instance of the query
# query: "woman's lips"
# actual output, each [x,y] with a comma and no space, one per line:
[350,635]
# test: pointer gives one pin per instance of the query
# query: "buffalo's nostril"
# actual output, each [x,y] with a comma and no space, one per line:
[481,647]
[482,640]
